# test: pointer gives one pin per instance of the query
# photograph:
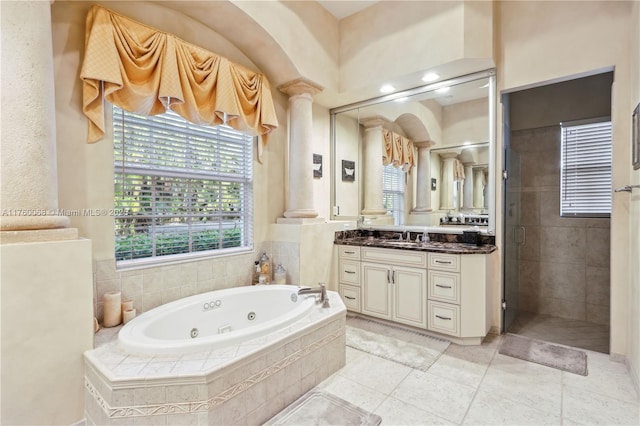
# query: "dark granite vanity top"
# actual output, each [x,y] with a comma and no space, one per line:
[442,243]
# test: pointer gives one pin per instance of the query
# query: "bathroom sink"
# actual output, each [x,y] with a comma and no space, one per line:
[401,244]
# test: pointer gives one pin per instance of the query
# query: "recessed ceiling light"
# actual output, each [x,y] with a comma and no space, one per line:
[430,76]
[443,89]
[467,143]
[402,99]
[387,88]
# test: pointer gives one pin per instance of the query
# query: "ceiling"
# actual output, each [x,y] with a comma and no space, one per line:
[341,9]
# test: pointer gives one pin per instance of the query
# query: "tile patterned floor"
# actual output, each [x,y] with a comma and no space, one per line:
[474,385]
[575,333]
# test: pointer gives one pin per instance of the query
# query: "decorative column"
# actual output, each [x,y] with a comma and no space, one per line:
[446,188]
[423,184]
[29,179]
[373,149]
[478,192]
[467,200]
[300,191]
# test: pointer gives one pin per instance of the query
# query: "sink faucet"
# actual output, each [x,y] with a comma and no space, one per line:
[321,290]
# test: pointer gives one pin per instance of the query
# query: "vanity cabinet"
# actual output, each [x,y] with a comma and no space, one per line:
[457,295]
[394,285]
[349,276]
[441,292]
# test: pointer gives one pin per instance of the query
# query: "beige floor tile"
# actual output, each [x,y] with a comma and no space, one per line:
[395,412]
[460,368]
[434,394]
[605,377]
[376,373]
[524,383]
[584,407]
[489,409]
[355,393]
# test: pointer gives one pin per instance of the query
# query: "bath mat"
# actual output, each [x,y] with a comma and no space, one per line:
[413,349]
[321,408]
[560,357]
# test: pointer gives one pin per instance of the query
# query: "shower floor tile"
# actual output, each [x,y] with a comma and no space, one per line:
[569,332]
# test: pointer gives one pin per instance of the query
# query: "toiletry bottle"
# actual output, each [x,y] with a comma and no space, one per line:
[265,268]
[256,273]
[279,275]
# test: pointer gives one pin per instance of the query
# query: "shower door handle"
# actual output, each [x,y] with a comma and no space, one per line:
[519,238]
[626,188]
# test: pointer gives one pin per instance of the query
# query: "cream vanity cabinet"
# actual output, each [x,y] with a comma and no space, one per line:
[441,292]
[349,276]
[394,285]
[457,296]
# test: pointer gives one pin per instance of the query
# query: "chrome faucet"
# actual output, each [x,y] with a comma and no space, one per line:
[321,290]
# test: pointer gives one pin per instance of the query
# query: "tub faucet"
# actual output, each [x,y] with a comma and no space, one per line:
[321,290]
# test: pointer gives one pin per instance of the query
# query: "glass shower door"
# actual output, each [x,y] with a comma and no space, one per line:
[514,234]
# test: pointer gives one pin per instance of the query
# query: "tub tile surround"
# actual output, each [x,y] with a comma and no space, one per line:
[244,383]
[154,286]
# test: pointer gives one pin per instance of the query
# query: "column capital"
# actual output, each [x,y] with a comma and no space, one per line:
[423,144]
[449,155]
[300,86]
[373,122]
[468,163]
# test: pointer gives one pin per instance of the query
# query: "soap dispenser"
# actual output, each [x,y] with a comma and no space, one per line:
[265,268]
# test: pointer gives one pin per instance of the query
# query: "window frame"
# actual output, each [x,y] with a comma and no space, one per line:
[396,194]
[186,174]
[598,164]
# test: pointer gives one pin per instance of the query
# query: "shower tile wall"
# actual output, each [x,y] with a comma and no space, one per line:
[152,287]
[564,262]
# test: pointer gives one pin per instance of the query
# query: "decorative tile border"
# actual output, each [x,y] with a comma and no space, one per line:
[205,406]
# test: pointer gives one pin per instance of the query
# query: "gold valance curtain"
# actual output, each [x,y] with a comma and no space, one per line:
[458,170]
[397,150]
[146,71]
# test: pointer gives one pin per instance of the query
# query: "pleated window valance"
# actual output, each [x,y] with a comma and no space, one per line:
[146,71]
[458,170]
[397,150]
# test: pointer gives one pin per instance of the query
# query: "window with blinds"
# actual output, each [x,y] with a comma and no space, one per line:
[393,192]
[586,157]
[181,189]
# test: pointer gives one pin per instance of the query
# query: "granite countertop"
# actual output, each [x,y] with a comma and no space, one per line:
[441,243]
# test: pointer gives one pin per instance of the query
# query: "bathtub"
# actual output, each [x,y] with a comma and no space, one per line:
[214,320]
[257,349]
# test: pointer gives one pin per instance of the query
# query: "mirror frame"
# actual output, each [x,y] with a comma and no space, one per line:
[491,75]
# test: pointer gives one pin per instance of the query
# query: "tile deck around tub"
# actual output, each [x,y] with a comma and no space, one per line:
[118,365]
[220,386]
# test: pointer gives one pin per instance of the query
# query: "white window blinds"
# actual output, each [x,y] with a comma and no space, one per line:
[585,181]
[180,187]
[393,192]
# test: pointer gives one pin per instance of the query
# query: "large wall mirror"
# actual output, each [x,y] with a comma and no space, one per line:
[420,157]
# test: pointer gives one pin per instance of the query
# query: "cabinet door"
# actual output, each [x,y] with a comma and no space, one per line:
[376,290]
[410,296]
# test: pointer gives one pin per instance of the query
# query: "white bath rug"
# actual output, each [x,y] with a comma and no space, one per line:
[413,349]
[322,408]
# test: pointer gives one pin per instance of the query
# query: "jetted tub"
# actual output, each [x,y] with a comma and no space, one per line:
[214,320]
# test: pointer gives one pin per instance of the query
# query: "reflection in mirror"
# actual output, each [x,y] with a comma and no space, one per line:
[422,157]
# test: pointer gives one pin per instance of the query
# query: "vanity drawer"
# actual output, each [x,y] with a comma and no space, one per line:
[396,257]
[444,318]
[349,252]
[444,262]
[349,272]
[444,286]
[351,297]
